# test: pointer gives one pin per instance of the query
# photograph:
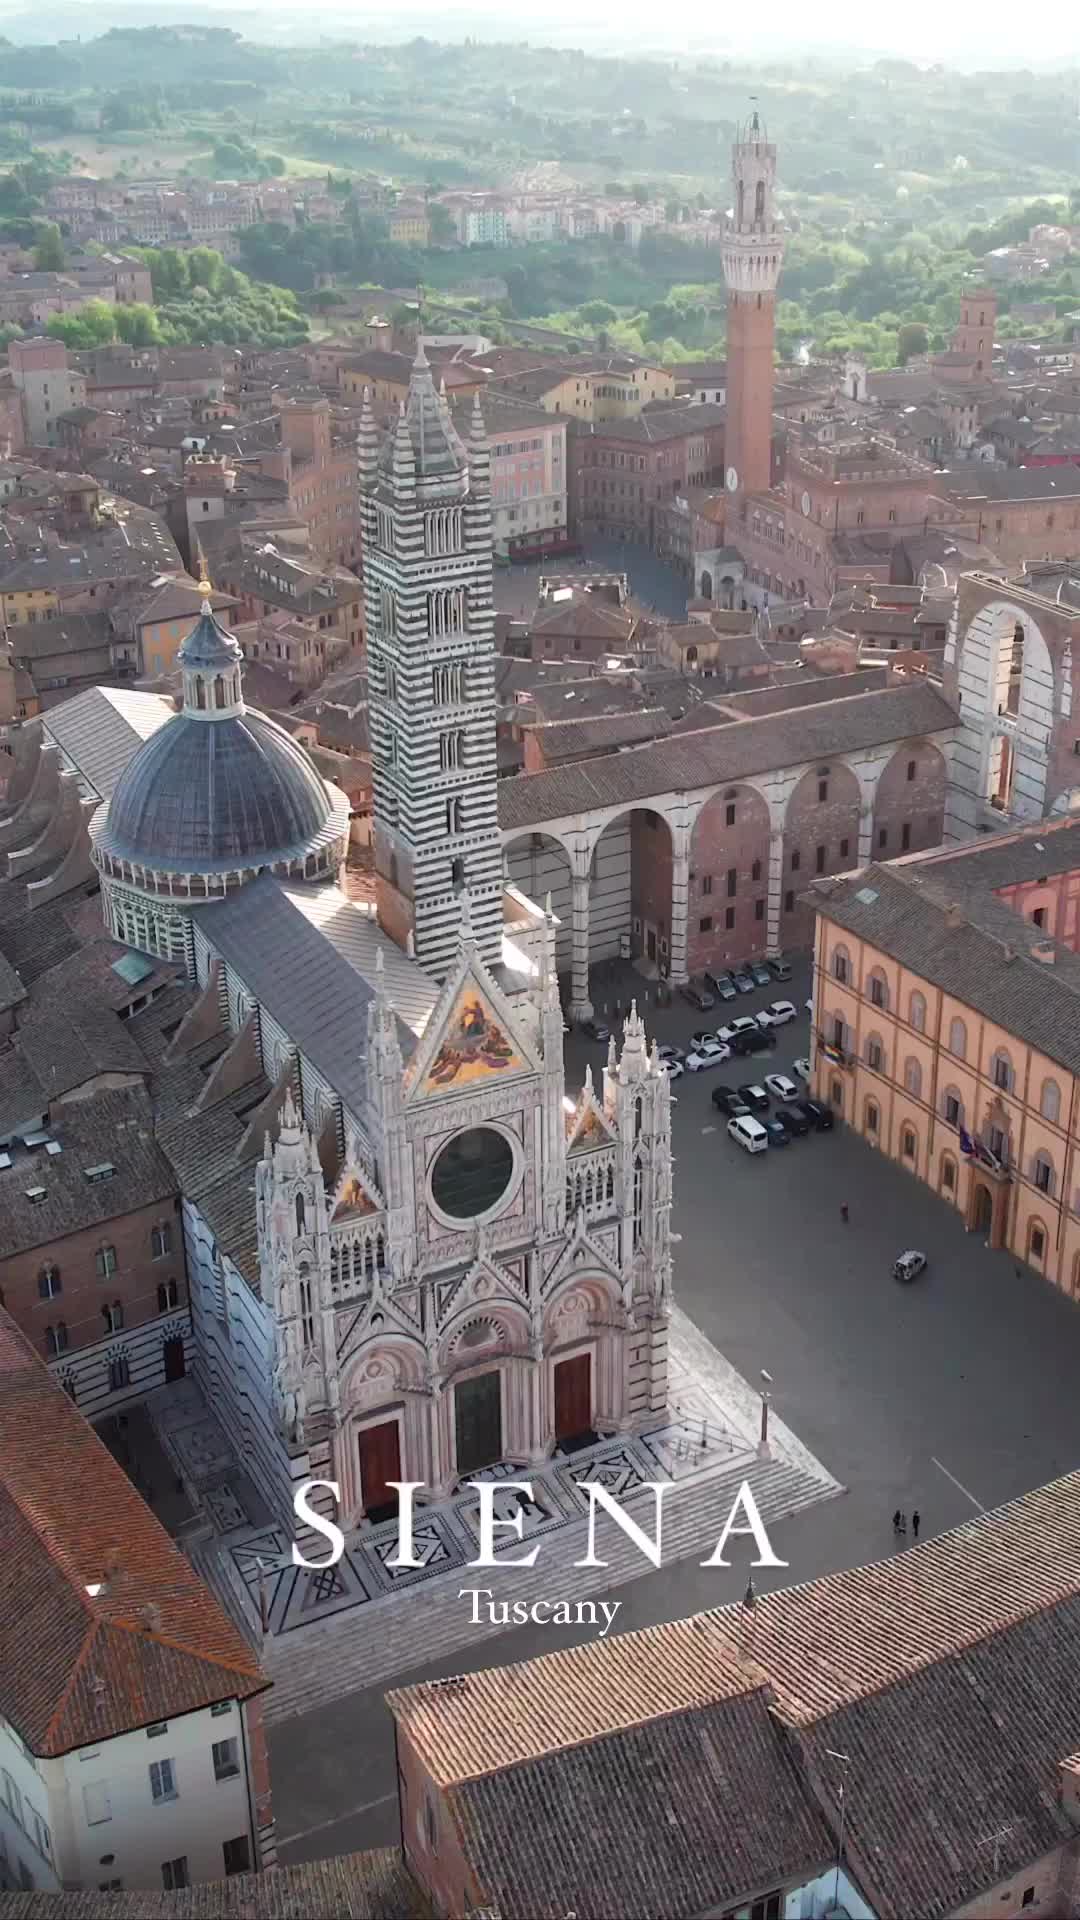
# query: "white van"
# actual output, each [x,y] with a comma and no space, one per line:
[748,1132]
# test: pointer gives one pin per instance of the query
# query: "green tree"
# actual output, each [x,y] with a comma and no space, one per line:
[911,338]
[49,252]
[94,325]
[137,325]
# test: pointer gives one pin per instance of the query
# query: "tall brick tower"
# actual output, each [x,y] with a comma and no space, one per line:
[975,334]
[752,254]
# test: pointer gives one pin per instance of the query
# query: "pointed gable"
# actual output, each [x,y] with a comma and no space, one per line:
[354,1197]
[588,1129]
[471,1037]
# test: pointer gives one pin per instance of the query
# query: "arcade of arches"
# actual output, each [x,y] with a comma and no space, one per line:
[702,880]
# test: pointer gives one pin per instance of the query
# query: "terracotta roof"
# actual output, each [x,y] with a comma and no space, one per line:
[947,1672]
[177,599]
[723,754]
[713,1794]
[76,1669]
[114,1129]
[969,944]
[354,1886]
[584,616]
[574,739]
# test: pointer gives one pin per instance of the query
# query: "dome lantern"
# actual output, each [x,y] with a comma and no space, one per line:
[211,661]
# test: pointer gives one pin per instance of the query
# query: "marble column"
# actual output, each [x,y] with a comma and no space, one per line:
[680,905]
[580,1004]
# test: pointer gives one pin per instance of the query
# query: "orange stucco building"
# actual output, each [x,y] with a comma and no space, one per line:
[947,1030]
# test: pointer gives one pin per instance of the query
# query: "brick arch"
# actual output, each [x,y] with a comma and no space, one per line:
[910,793]
[717,849]
[810,823]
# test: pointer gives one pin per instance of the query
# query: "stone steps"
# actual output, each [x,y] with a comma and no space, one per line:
[368,1645]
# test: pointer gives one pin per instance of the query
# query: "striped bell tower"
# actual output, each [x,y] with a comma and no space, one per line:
[425,504]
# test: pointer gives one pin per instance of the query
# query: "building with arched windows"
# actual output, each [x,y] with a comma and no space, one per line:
[946,1030]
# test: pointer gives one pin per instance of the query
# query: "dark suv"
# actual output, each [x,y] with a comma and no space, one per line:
[817,1116]
[730,1103]
[763,1041]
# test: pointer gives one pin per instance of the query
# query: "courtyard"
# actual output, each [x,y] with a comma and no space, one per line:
[952,1395]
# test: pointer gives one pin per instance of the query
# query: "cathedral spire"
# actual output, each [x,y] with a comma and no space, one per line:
[367,440]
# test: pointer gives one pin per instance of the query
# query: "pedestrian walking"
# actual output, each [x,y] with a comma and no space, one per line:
[899,1522]
[844,1213]
[916,1521]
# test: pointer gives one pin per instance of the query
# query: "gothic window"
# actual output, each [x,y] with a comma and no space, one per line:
[113,1316]
[917,1012]
[49,1283]
[168,1296]
[105,1262]
[119,1373]
[454,814]
[391,682]
[740,193]
[200,695]
[56,1339]
[908,1143]
[638,1202]
[300,1214]
[913,1076]
[457,875]
[385,526]
[1050,1100]
[451,750]
[958,1039]
[219,691]
[841,965]
[879,991]
[875,1054]
[759,203]
[160,1240]
[307,1311]
[446,685]
[387,612]
[446,611]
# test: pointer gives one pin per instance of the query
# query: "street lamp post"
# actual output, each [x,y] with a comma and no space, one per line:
[766,1383]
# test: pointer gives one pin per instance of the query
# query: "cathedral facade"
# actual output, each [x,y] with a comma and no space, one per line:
[412,1253]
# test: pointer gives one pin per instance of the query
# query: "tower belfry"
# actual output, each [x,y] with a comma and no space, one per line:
[425,500]
[753,250]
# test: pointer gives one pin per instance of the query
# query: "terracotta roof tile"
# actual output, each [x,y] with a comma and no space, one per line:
[154,1643]
[354,1886]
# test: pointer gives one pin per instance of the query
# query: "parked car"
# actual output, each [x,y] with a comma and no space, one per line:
[698,994]
[776,1014]
[729,1102]
[781,1087]
[712,1054]
[744,981]
[744,1024]
[755,1096]
[721,984]
[761,975]
[748,1133]
[596,1030]
[779,968]
[794,1120]
[801,1069]
[761,1040]
[909,1266]
[668,1054]
[675,1069]
[777,1132]
[700,1038]
[816,1115]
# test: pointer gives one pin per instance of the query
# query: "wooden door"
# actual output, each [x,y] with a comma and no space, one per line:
[573,1396]
[478,1422]
[175,1364]
[380,1462]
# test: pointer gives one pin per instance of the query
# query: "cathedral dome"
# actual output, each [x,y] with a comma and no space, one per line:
[216,789]
[200,796]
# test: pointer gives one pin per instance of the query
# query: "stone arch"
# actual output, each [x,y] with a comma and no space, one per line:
[1008,676]
[541,863]
[509,1335]
[383,1367]
[812,823]
[631,874]
[909,800]
[722,846]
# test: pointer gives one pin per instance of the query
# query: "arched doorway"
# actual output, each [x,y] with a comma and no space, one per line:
[706,585]
[982,1208]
